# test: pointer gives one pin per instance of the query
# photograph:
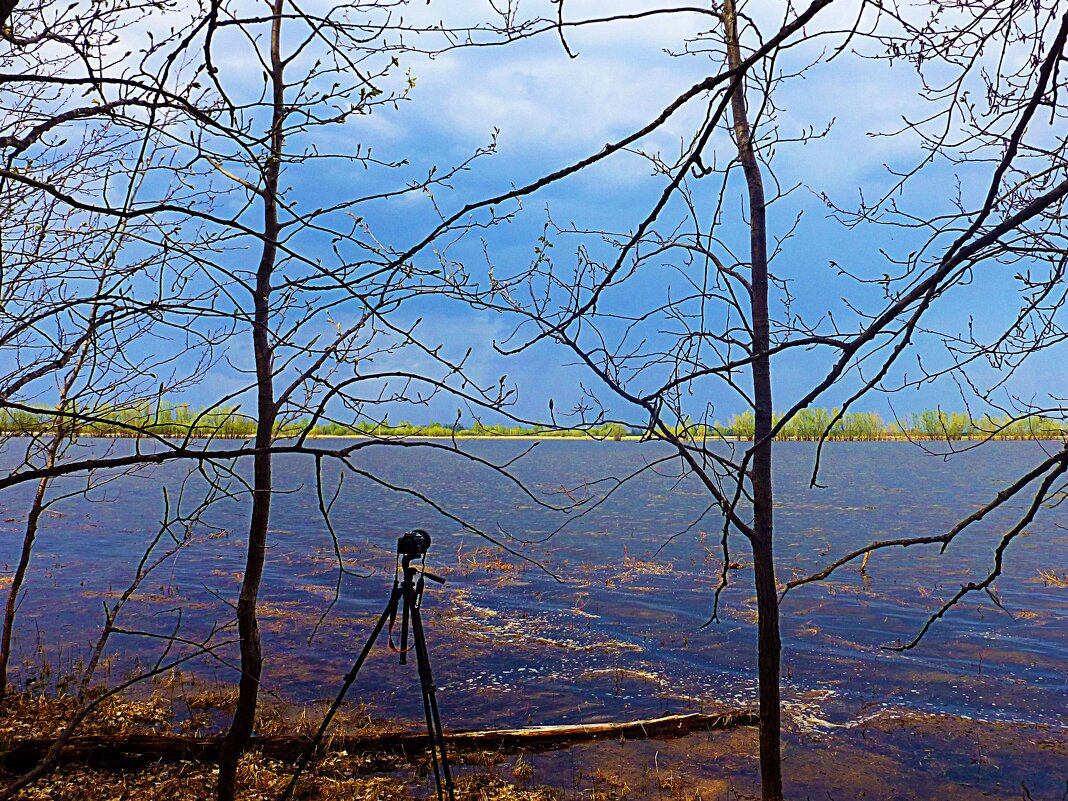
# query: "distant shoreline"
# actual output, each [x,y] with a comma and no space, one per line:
[543,437]
[179,421]
[632,438]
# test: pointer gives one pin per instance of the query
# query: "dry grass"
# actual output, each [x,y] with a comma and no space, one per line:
[259,779]
[522,770]
[488,787]
[337,776]
[1051,578]
[636,568]
[223,698]
[24,715]
[484,560]
[608,787]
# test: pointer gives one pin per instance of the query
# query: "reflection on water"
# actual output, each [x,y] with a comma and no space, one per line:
[605,627]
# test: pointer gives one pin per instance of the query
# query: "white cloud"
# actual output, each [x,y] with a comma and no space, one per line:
[551,108]
[546,101]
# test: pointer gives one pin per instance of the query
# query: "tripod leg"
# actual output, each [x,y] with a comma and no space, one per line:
[389,612]
[430,707]
[404,630]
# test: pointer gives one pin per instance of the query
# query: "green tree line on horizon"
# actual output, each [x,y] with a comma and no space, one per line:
[183,420]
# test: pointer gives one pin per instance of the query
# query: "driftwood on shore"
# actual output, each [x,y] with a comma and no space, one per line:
[127,750]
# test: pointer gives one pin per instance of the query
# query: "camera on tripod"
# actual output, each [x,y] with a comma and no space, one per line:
[404,600]
[413,544]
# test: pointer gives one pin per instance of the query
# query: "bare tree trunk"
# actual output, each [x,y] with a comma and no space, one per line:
[237,738]
[244,719]
[768,664]
[769,644]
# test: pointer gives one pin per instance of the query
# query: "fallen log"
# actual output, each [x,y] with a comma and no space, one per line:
[128,750]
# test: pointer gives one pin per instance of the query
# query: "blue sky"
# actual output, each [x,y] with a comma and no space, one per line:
[549,109]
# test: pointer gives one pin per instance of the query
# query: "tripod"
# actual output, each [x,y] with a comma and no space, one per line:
[407,594]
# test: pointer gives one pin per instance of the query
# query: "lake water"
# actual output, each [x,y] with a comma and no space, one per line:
[609,625]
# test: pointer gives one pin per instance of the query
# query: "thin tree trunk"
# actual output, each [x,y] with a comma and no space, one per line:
[241,727]
[769,645]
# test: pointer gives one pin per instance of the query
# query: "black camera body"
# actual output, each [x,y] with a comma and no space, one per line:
[413,544]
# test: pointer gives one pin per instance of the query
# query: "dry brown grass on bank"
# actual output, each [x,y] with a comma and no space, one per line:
[194,711]
[334,777]
[25,715]
[261,779]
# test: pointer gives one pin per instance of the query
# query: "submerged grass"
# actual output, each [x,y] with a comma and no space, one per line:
[1053,578]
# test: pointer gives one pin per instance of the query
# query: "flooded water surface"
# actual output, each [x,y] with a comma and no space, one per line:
[603,619]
